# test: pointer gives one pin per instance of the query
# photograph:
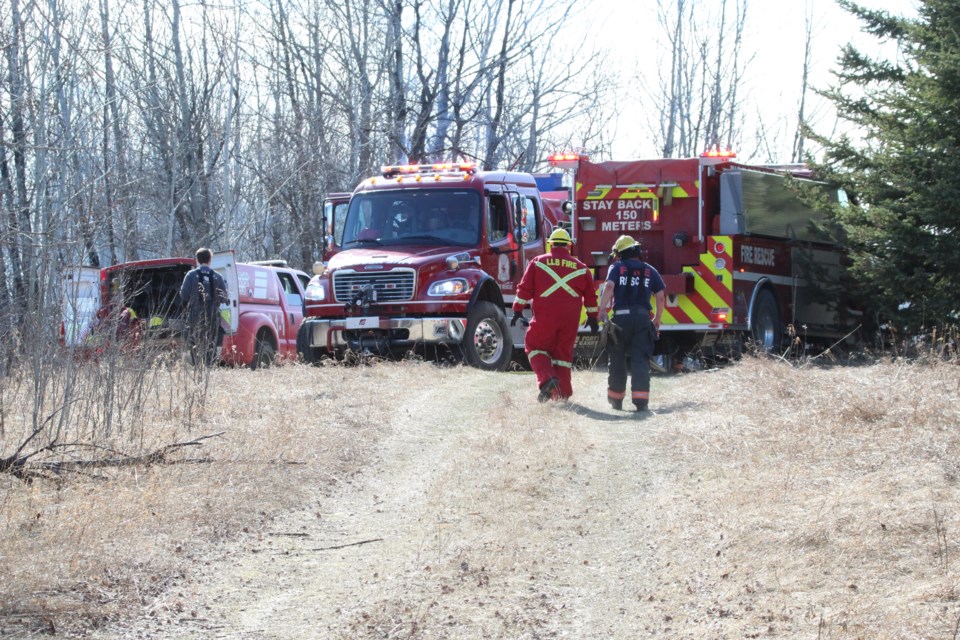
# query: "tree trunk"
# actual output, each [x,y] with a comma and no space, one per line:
[493,124]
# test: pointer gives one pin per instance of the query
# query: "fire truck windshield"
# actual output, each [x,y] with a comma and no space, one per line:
[413,216]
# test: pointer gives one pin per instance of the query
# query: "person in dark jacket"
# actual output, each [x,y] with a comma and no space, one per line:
[630,284]
[202,292]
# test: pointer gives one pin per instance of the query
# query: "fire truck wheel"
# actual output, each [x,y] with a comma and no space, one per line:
[265,353]
[486,343]
[765,322]
[310,355]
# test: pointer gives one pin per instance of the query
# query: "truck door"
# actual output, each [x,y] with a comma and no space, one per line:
[293,313]
[223,263]
[519,259]
[528,219]
[502,262]
[81,301]
[334,216]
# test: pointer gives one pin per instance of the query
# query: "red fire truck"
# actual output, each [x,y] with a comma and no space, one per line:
[428,259]
[740,253]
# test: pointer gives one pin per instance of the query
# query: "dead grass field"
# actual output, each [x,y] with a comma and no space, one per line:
[412,501]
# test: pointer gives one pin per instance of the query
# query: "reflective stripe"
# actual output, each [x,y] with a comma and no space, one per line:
[592,309]
[533,354]
[616,395]
[563,363]
[640,395]
[560,283]
[520,300]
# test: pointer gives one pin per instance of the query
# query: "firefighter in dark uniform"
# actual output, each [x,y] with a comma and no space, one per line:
[202,292]
[630,283]
[557,286]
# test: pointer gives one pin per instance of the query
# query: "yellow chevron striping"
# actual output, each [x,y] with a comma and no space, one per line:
[708,294]
[727,281]
[601,193]
[691,310]
[634,194]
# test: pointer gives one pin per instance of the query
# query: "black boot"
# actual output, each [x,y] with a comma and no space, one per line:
[616,403]
[641,406]
[547,389]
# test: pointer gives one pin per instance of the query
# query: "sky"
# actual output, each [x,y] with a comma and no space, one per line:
[774,34]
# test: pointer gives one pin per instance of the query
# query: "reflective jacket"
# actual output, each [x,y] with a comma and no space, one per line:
[556,285]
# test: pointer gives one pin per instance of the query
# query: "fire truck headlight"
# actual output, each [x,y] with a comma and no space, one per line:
[679,239]
[315,290]
[452,287]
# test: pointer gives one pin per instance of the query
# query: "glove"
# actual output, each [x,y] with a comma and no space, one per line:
[593,324]
[517,316]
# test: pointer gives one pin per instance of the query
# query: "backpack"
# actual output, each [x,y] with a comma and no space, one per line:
[208,296]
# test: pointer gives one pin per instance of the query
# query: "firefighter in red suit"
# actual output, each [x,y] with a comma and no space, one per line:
[557,286]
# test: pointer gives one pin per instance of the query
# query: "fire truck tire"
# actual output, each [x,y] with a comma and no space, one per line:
[765,322]
[310,355]
[265,353]
[486,343]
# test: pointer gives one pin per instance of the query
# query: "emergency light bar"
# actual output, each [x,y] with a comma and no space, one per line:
[564,160]
[718,153]
[391,171]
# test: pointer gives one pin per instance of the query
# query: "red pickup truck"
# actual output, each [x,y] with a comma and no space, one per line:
[263,314]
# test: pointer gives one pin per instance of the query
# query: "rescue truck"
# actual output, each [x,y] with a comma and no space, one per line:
[428,259]
[741,254]
[261,319]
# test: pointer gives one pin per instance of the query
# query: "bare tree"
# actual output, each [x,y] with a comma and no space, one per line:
[698,102]
[799,137]
[117,187]
[15,181]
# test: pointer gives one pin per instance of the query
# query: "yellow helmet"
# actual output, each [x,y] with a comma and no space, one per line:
[559,236]
[623,243]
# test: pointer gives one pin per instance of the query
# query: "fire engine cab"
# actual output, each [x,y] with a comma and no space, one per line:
[428,258]
[740,252]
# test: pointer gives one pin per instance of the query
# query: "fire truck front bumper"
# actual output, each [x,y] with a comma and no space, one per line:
[383,334]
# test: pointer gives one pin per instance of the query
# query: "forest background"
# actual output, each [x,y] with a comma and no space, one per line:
[140,129]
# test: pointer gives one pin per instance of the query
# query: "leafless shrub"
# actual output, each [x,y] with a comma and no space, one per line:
[99,540]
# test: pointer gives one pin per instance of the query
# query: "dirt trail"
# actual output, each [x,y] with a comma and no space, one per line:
[484,515]
[762,500]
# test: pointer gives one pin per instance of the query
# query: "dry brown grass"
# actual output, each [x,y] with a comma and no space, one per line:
[102,541]
[829,495]
[764,500]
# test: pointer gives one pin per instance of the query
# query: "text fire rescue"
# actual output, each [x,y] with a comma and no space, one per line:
[628,210]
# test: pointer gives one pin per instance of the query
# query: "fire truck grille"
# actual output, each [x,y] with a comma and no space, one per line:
[391,286]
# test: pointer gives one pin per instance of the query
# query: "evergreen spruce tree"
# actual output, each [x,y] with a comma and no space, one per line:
[901,167]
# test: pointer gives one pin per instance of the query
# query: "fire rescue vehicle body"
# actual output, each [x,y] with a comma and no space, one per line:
[430,258]
[263,314]
[739,252]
